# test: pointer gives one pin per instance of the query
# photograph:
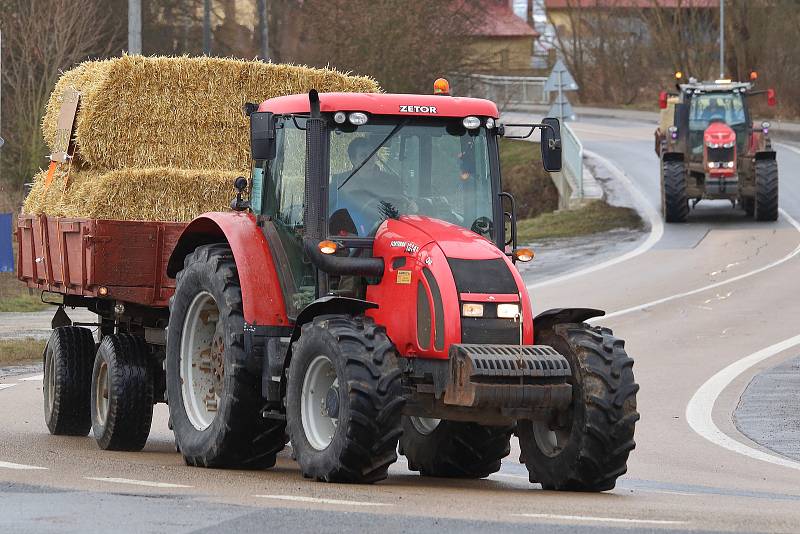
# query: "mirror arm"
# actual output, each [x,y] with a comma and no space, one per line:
[513,214]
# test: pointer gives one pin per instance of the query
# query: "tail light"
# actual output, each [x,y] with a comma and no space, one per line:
[771,100]
[662,100]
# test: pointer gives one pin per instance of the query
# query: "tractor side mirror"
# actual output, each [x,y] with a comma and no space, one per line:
[771,99]
[262,135]
[662,100]
[551,144]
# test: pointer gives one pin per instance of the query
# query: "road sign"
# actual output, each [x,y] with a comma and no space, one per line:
[6,249]
[560,80]
[560,77]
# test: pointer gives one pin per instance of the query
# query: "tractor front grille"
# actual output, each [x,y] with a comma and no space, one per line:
[483,276]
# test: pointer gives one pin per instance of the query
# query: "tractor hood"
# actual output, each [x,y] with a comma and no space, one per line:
[719,133]
[455,241]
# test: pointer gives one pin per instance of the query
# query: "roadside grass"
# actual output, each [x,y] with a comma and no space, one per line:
[525,178]
[594,217]
[15,297]
[20,351]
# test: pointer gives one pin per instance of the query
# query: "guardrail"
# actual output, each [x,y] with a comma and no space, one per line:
[505,91]
[572,155]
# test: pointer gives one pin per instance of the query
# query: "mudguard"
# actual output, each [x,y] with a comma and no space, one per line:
[261,291]
[548,318]
[330,304]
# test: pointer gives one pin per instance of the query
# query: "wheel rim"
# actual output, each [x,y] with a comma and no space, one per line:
[202,361]
[319,425]
[550,441]
[50,385]
[424,425]
[101,394]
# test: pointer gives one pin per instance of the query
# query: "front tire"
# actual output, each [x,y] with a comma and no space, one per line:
[675,199]
[67,381]
[454,449]
[766,201]
[585,449]
[344,400]
[122,394]
[214,400]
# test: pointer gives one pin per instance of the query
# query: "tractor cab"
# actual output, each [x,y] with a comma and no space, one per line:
[329,169]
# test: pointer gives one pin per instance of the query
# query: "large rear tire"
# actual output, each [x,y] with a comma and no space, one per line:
[585,449]
[67,381]
[675,198]
[766,202]
[214,400]
[454,449]
[344,400]
[122,394]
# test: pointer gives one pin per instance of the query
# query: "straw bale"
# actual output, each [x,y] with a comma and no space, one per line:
[178,111]
[160,194]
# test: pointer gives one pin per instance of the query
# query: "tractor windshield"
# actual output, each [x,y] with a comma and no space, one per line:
[427,167]
[711,107]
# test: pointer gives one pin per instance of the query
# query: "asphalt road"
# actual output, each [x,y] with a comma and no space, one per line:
[704,307]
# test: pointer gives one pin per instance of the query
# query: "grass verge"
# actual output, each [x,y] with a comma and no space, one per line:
[525,178]
[594,217]
[19,351]
[14,297]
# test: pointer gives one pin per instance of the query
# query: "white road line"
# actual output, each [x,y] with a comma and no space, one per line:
[35,378]
[299,498]
[700,407]
[137,482]
[676,296]
[789,147]
[653,217]
[6,386]
[604,519]
[11,465]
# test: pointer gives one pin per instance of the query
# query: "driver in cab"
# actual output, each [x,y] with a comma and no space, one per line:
[363,196]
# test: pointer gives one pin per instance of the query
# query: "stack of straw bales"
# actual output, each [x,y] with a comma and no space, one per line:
[162,138]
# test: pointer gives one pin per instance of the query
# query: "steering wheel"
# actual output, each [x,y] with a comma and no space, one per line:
[483,226]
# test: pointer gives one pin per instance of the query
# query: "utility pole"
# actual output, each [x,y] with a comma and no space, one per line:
[207,27]
[134,26]
[721,39]
[263,19]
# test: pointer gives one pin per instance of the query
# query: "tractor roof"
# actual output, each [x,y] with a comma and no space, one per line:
[718,86]
[385,104]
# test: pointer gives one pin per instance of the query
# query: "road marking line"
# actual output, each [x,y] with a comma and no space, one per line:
[691,292]
[604,519]
[11,465]
[35,378]
[6,386]
[653,217]
[137,482]
[299,498]
[700,407]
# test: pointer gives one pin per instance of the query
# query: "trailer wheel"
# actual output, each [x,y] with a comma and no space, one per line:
[675,200]
[122,394]
[344,400]
[766,201]
[214,400]
[587,448]
[67,381]
[454,449]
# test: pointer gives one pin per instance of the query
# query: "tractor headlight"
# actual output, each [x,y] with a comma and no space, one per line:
[508,311]
[470,123]
[729,164]
[728,145]
[357,118]
[472,309]
[713,145]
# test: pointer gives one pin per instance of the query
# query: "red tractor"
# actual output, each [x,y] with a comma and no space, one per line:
[364,295]
[710,149]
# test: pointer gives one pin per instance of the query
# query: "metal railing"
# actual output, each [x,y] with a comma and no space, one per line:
[505,91]
[572,155]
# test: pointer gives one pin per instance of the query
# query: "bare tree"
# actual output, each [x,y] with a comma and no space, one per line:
[40,38]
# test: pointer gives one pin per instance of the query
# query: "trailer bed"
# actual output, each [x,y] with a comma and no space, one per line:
[119,260]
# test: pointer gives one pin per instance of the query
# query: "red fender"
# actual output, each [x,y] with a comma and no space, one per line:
[261,290]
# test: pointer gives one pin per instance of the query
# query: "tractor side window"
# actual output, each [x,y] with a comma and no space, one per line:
[257,185]
[283,200]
